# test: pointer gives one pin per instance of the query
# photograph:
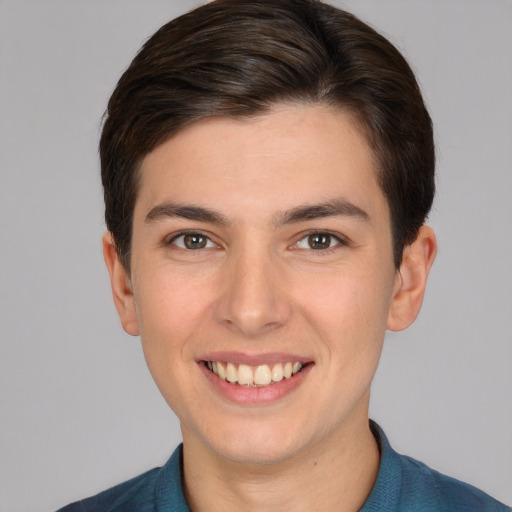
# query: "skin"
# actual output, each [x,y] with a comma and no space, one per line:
[258,287]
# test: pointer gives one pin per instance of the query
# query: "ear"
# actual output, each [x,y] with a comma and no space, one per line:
[121,286]
[411,280]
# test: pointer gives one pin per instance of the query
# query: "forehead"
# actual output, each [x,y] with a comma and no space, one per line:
[291,155]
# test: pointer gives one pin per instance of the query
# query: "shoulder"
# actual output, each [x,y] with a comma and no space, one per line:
[407,485]
[144,493]
[441,492]
[137,490]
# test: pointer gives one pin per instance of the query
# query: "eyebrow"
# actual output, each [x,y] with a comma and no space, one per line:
[198,213]
[332,208]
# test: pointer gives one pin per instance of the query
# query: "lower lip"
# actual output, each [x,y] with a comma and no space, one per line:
[255,395]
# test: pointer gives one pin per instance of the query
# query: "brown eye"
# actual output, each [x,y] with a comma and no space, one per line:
[195,241]
[192,241]
[319,241]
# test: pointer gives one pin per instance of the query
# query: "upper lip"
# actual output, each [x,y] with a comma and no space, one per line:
[254,359]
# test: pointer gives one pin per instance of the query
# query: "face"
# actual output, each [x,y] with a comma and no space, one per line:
[261,280]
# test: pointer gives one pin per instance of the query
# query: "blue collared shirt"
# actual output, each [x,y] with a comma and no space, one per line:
[403,485]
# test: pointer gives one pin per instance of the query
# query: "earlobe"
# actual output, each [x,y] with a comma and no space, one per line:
[121,286]
[411,280]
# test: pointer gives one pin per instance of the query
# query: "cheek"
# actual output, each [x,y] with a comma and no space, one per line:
[170,303]
[349,311]
[170,310]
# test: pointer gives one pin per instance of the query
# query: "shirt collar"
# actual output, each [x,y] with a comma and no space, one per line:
[384,497]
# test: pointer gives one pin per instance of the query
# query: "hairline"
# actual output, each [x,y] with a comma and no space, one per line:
[276,106]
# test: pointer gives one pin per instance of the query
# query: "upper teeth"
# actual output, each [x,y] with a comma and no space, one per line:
[246,375]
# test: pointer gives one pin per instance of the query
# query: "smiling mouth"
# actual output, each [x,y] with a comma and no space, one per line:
[254,376]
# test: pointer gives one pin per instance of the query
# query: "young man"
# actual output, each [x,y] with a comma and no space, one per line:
[268,166]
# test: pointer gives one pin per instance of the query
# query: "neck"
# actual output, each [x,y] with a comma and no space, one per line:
[336,474]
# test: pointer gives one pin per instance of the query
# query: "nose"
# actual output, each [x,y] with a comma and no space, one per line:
[254,298]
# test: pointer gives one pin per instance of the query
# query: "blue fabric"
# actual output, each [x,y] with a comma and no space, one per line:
[403,485]
[406,485]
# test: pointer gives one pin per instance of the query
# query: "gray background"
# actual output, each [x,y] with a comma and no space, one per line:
[78,409]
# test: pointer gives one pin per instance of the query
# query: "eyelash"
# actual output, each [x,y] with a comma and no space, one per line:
[339,241]
[183,234]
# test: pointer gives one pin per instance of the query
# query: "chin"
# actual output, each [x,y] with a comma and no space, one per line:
[250,453]
[257,445]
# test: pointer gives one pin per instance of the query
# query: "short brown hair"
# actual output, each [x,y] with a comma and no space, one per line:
[238,58]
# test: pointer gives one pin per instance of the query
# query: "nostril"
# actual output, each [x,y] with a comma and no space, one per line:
[251,301]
